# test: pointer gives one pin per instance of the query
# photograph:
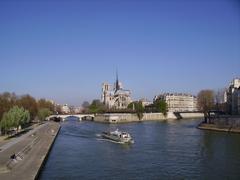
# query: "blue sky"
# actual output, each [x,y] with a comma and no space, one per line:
[63,50]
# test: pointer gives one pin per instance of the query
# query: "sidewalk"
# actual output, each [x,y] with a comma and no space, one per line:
[32,148]
[4,139]
[13,141]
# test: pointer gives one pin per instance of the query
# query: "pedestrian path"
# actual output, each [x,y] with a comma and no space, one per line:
[16,140]
[30,151]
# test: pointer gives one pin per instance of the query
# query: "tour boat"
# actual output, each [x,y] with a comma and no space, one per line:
[118,136]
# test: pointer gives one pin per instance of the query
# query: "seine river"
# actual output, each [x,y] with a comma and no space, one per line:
[162,150]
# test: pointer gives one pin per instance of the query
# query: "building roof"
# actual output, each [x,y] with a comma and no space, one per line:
[176,94]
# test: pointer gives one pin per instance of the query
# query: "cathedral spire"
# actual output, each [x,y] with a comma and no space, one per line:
[117,82]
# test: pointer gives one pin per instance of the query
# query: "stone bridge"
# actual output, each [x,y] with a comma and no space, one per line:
[65,116]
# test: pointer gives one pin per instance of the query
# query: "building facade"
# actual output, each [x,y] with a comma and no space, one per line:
[232,97]
[145,102]
[115,96]
[65,109]
[179,102]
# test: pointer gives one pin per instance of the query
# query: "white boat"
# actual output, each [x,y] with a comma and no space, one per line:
[118,136]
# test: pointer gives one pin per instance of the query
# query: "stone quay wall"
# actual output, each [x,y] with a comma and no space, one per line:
[191,115]
[127,117]
[132,117]
[224,123]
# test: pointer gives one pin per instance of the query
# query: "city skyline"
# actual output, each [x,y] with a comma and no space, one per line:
[65,50]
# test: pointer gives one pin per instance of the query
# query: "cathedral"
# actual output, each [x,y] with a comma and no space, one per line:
[114,96]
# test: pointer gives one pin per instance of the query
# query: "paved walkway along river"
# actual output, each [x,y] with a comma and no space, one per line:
[30,150]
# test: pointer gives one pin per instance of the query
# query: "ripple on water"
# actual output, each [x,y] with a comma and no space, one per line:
[162,150]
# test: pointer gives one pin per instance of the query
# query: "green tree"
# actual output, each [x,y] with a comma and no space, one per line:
[43,113]
[161,106]
[14,118]
[137,107]
[131,106]
[96,107]
[29,103]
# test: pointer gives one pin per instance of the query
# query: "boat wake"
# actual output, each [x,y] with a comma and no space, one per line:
[83,135]
[109,140]
[98,135]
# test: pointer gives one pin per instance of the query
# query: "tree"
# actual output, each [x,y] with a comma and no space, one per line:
[43,103]
[96,107]
[59,109]
[43,113]
[14,118]
[72,109]
[137,106]
[7,101]
[161,106]
[29,103]
[205,100]
[85,104]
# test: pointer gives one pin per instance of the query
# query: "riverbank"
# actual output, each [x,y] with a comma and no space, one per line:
[132,117]
[225,123]
[213,127]
[31,151]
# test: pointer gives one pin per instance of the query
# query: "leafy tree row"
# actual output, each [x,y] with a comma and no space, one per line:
[16,117]
[96,107]
[39,109]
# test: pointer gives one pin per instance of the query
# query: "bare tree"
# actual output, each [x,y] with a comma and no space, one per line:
[59,109]
[205,100]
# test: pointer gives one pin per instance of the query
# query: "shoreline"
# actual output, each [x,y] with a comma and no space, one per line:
[132,117]
[47,154]
[213,127]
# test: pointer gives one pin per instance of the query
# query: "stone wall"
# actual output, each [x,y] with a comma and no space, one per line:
[171,115]
[191,115]
[225,120]
[127,117]
[224,123]
[153,116]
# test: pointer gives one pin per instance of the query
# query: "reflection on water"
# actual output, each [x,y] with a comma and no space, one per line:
[162,150]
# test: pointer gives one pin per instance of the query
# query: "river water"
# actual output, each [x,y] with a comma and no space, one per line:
[162,150]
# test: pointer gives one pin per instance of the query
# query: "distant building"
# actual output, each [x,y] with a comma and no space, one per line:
[232,96]
[179,102]
[78,110]
[115,97]
[145,102]
[65,109]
